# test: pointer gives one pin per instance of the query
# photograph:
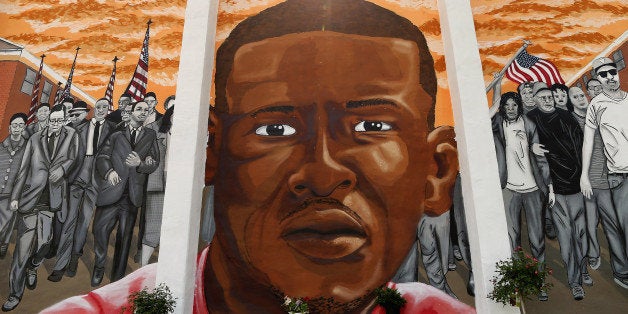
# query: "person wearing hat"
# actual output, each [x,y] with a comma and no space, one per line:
[607,115]
[78,115]
[560,134]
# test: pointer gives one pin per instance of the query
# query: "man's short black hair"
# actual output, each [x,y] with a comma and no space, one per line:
[126,95]
[101,99]
[502,103]
[56,108]
[171,97]
[18,115]
[42,105]
[591,80]
[356,17]
[150,94]
[68,99]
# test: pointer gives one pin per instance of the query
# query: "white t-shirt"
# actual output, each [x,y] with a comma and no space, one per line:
[520,177]
[610,116]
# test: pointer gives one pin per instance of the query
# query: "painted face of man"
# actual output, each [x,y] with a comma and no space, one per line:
[594,88]
[527,97]
[57,121]
[126,113]
[43,113]
[578,99]
[152,103]
[78,116]
[17,126]
[608,77]
[140,112]
[544,100]
[101,109]
[512,109]
[323,169]
[68,106]
[560,97]
[123,102]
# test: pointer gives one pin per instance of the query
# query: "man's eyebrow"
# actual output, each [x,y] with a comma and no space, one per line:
[283,109]
[370,102]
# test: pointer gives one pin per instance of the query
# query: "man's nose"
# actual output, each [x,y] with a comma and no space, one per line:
[322,174]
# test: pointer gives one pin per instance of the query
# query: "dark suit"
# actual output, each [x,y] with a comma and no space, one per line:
[115,116]
[118,203]
[83,192]
[40,200]
[31,129]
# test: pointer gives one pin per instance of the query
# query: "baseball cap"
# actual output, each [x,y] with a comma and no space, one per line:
[538,86]
[600,62]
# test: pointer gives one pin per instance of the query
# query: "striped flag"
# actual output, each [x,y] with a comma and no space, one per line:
[58,93]
[112,80]
[137,86]
[528,68]
[68,85]
[35,93]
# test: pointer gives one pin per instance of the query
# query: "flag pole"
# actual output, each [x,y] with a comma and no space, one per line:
[497,79]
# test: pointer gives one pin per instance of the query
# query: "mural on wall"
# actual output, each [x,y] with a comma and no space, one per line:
[559,142]
[76,168]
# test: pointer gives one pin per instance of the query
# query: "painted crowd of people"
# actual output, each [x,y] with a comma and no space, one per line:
[65,172]
[563,156]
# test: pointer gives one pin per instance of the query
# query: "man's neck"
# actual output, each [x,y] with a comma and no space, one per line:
[16,137]
[53,133]
[43,124]
[580,112]
[617,94]
[135,124]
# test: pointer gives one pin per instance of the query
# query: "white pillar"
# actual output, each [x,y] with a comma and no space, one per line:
[484,207]
[186,160]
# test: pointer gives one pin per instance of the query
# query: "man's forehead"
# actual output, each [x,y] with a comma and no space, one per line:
[261,60]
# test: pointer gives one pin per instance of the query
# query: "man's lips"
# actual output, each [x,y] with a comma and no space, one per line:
[324,233]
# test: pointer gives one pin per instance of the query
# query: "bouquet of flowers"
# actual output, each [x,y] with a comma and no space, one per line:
[296,305]
[519,277]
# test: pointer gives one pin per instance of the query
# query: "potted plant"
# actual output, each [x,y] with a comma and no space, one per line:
[157,301]
[518,278]
[296,305]
[390,299]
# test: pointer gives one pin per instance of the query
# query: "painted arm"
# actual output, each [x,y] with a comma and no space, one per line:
[150,166]
[542,163]
[497,95]
[587,151]
[16,194]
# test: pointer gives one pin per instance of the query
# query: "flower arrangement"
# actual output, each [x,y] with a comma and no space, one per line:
[519,277]
[159,301]
[296,305]
[390,299]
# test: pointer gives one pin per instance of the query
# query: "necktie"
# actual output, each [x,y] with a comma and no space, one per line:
[51,144]
[95,139]
[133,134]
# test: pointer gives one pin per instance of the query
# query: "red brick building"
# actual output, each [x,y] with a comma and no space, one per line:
[618,51]
[18,69]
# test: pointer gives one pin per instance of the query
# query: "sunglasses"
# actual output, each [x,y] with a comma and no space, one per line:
[603,74]
[74,115]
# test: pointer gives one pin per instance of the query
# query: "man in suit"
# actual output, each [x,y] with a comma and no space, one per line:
[153,115]
[78,114]
[123,164]
[11,151]
[83,190]
[116,115]
[43,112]
[40,195]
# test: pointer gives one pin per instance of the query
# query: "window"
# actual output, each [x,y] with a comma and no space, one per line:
[29,81]
[585,78]
[618,56]
[593,74]
[579,85]
[45,93]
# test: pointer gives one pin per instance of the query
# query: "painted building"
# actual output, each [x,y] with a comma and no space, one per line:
[18,70]
[617,50]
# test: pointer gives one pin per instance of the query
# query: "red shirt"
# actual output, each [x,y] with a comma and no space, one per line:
[113,297]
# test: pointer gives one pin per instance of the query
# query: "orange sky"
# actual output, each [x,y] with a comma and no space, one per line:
[569,33]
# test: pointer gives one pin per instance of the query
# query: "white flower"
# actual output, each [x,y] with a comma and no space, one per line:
[287,300]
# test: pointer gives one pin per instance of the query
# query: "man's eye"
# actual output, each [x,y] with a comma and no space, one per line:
[275,130]
[366,126]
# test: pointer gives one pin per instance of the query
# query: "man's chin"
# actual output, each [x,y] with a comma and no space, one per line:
[333,304]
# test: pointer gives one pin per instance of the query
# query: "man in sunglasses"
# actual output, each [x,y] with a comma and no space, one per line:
[78,115]
[607,114]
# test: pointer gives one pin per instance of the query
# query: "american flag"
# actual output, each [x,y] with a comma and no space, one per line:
[35,93]
[137,86]
[112,80]
[529,68]
[58,93]
[68,86]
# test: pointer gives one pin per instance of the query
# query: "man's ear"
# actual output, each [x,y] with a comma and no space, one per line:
[442,176]
[213,143]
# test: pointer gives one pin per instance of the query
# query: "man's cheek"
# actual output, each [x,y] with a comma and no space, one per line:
[383,164]
[261,178]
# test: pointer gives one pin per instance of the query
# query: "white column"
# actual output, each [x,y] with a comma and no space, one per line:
[484,207]
[186,160]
